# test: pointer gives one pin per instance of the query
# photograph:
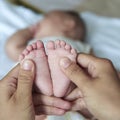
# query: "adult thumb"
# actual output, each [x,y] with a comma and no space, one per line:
[25,78]
[74,72]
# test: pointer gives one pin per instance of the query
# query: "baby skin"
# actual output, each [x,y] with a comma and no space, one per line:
[49,78]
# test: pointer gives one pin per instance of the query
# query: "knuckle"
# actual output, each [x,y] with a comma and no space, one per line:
[25,77]
[108,63]
[105,62]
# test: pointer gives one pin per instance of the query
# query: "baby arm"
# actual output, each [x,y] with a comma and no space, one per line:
[18,42]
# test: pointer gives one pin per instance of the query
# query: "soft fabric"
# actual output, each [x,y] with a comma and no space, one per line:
[103,34]
[12,18]
[67,116]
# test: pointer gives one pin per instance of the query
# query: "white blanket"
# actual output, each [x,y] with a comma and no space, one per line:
[102,33]
[12,18]
[49,5]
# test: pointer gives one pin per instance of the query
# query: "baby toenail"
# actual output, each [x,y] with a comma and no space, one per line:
[65,62]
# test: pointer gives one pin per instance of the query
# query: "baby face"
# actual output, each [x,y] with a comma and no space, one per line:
[51,25]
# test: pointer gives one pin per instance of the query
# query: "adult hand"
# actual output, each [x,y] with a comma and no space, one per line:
[78,104]
[49,105]
[16,93]
[98,81]
[17,101]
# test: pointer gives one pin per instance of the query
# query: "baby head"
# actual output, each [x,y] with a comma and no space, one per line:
[61,23]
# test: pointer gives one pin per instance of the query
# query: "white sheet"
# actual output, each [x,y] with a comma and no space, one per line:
[102,33]
[49,5]
[12,18]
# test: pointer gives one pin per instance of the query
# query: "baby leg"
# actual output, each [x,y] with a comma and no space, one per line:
[55,51]
[36,52]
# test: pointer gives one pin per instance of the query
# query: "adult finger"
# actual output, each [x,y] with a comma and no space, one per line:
[50,101]
[85,60]
[11,74]
[9,83]
[74,72]
[25,78]
[48,110]
[94,65]
[75,94]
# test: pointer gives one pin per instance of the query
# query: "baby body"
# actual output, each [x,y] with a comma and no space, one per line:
[71,29]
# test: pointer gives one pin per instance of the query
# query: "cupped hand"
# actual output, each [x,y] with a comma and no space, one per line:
[16,93]
[19,102]
[98,82]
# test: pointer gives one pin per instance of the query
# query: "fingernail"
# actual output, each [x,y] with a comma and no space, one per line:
[65,62]
[27,65]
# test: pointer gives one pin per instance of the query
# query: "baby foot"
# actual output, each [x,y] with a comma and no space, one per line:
[36,52]
[55,51]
